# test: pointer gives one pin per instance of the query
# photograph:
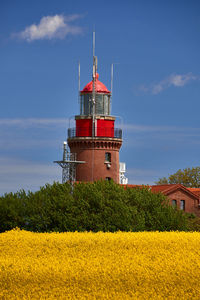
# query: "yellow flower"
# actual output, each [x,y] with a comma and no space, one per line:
[142,265]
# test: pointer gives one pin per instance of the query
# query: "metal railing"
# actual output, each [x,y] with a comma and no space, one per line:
[100,132]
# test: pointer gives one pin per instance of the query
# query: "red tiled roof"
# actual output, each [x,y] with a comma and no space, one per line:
[161,187]
[170,188]
[167,189]
[134,185]
[194,190]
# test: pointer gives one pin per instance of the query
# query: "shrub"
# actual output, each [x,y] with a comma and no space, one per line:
[98,206]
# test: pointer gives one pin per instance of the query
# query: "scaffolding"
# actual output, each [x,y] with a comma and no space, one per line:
[68,165]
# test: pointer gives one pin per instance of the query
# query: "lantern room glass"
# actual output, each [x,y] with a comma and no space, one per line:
[102,104]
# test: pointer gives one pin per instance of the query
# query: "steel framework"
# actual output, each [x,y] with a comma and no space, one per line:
[68,165]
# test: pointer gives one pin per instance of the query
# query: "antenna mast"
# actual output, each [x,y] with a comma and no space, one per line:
[111,86]
[93,43]
[79,84]
[94,71]
[79,76]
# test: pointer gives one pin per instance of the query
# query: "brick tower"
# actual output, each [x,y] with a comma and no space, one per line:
[95,140]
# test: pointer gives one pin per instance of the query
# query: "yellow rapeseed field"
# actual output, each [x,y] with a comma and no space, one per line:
[145,265]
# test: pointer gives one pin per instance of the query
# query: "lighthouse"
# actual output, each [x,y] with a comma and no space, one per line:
[94,142]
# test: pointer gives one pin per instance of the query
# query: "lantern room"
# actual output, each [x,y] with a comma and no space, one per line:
[95,118]
[102,99]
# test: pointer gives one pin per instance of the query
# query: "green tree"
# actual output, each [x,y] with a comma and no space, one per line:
[155,211]
[50,209]
[12,208]
[189,177]
[98,206]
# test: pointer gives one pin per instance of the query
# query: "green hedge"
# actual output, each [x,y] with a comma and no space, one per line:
[99,206]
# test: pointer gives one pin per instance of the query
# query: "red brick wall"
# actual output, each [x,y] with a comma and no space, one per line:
[191,204]
[93,153]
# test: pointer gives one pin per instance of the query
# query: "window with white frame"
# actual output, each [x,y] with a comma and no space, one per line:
[182,204]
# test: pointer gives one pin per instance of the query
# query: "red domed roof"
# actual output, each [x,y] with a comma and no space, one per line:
[99,87]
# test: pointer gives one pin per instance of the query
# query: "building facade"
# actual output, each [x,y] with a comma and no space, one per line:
[181,197]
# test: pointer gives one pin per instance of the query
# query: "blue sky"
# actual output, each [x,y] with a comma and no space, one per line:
[155,48]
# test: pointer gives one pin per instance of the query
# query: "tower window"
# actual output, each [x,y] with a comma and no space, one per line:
[182,204]
[108,157]
[108,178]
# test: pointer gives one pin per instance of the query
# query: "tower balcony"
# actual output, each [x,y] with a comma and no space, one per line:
[101,132]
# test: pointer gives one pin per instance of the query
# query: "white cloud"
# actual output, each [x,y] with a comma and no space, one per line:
[157,88]
[32,133]
[16,174]
[32,138]
[51,27]
[157,137]
[141,176]
[176,80]
[137,128]
[33,122]
[181,80]
[143,128]
[141,172]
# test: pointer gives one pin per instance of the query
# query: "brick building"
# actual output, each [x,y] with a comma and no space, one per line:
[186,199]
